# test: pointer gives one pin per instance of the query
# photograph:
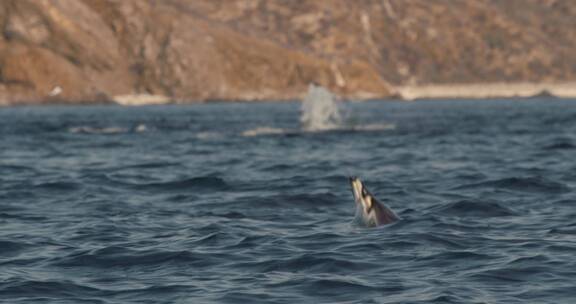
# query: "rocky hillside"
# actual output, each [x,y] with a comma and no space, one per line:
[191,50]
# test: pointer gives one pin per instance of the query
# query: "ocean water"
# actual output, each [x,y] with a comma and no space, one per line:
[238,203]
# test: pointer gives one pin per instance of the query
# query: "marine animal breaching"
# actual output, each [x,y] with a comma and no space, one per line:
[369,210]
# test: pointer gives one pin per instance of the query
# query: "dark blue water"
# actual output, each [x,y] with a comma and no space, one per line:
[180,204]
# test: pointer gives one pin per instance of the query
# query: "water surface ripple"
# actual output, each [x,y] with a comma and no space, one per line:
[233,203]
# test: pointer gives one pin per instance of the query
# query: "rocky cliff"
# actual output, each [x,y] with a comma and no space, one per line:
[191,50]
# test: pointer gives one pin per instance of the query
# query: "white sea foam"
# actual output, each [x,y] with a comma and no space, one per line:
[375,127]
[92,130]
[263,131]
[208,135]
[140,128]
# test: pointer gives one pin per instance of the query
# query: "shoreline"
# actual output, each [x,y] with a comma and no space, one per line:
[487,90]
[501,90]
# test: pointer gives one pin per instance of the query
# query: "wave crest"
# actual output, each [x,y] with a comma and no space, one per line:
[475,208]
[522,184]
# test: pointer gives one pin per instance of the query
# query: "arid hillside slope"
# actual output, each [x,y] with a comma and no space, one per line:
[191,50]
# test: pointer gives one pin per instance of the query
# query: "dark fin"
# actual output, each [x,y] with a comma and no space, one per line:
[385,215]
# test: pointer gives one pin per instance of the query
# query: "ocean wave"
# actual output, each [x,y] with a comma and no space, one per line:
[9,208]
[17,168]
[474,208]
[182,197]
[108,130]
[59,186]
[22,217]
[278,167]
[11,248]
[95,130]
[523,184]
[306,199]
[356,247]
[560,145]
[538,259]
[208,135]
[46,289]
[569,202]
[334,286]
[246,297]
[515,274]
[264,131]
[455,256]
[442,240]
[167,217]
[311,202]
[563,231]
[259,131]
[214,239]
[374,127]
[160,291]
[186,184]
[116,256]
[311,263]
[203,182]
[251,242]
[227,215]
[149,165]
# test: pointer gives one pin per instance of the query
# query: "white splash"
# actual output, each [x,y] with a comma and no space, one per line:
[320,110]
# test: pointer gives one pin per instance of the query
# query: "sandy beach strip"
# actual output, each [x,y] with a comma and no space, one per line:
[487,90]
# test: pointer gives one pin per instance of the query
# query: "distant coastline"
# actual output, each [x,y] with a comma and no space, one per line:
[406,93]
[414,92]
[487,90]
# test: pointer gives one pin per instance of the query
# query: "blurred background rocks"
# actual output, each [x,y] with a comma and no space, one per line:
[83,51]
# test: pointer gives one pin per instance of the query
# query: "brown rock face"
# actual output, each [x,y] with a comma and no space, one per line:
[191,50]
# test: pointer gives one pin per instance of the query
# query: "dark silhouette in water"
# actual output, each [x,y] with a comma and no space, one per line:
[369,210]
